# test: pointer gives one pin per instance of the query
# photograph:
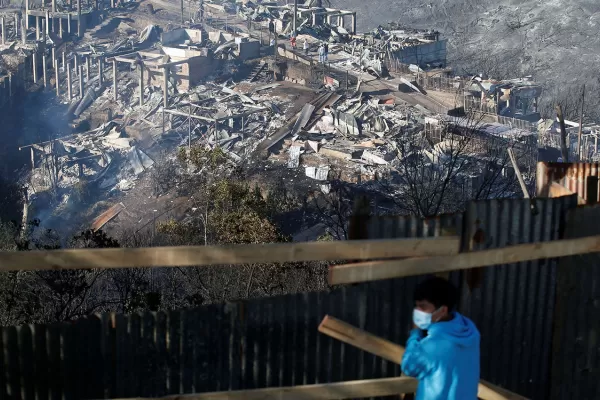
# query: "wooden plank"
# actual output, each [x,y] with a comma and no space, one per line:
[393,352]
[331,391]
[219,255]
[357,337]
[378,270]
[106,216]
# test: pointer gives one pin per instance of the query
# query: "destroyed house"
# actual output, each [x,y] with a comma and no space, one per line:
[412,47]
[516,98]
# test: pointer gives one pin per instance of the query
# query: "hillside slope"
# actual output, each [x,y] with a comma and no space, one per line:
[555,41]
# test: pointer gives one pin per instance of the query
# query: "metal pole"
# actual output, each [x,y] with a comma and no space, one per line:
[189,127]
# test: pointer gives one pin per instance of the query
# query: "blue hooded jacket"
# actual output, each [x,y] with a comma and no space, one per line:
[446,361]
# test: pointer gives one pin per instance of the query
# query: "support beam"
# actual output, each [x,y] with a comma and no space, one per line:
[69,23]
[57,77]
[331,391]
[17,26]
[60,28]
[3,27]
[387,350]
[87,69]
[79,21]
[23,31]
[44,70]
[114,63]
[513,160]
[47,22]
[166,87]
[224,255]
[64,60]
[100,70]
[26,16]
[53,6]
[34,69]
[80,75]
[69,82]
[141,66]
[378,270]
[37,28]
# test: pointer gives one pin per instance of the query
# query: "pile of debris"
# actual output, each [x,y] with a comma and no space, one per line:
[105,156]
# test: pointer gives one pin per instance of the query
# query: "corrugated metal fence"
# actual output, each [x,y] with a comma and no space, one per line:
[274,341]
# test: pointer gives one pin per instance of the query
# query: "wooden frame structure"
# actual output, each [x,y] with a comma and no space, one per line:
[408,257]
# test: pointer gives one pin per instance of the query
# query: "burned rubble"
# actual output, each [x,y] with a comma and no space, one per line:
[136,91]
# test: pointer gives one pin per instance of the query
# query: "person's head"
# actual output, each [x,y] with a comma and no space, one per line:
[435,300]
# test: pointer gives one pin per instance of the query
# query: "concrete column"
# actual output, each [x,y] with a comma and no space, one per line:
[79,30]
[76,62]
[57,77]
[295,19]
[87,69]
[141,84]
[69,23]
[27,15]
[341,21]
[17,28]
[353,23]
[60,27]
[23,31]
[166,88]
[69,83]
[44,67]
[3,26]
[100,71]
[37,28]
[80,73]
[34,61]
[115,79]
[314,18]
[47,22]
[43,28]
[53,6]
[64,60]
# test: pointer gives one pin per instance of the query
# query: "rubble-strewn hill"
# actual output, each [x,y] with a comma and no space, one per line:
[556,41]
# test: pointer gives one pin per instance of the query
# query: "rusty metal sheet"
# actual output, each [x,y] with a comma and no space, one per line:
[573,176]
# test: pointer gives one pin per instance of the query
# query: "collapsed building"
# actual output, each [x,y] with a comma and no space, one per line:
[517,98]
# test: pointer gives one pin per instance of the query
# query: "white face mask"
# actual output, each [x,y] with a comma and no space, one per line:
[422,319]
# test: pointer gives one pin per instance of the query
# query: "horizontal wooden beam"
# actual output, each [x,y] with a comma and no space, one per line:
[331,391]
[378,270]
[383,348]
[187,256]
[356,337]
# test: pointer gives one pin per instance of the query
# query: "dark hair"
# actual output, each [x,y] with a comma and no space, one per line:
[437,291]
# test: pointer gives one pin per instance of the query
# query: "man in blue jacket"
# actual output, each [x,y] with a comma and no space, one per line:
[442,351]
